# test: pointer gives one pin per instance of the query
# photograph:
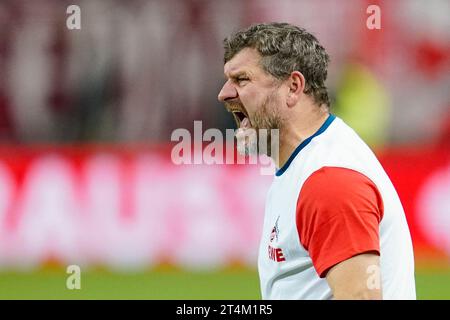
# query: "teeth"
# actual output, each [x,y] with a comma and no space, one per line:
[236,118]
[245,123]
[239,114]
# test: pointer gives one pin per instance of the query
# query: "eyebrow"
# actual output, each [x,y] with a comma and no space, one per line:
[237,74]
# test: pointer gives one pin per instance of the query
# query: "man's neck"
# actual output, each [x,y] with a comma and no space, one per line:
[298,130]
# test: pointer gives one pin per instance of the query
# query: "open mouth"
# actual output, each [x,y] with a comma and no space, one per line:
[241,117]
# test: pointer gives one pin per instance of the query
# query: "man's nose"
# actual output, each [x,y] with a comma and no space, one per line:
[228,92]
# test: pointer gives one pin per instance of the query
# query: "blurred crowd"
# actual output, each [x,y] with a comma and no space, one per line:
[138,69]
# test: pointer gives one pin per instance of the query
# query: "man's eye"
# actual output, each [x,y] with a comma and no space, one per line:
[242,79]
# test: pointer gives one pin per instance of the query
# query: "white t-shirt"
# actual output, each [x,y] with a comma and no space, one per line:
[332,200]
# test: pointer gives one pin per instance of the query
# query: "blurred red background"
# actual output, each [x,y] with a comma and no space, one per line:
[130,207]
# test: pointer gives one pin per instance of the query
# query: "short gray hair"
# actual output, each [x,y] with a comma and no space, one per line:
[285,48]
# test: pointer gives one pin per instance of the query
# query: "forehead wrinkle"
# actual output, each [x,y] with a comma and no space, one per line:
[241,63]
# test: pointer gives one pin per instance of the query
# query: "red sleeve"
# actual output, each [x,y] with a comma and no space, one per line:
[338,214]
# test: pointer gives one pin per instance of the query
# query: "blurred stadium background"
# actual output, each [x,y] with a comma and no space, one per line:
[86,118]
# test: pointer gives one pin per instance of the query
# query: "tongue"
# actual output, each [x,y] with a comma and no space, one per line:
[245,124]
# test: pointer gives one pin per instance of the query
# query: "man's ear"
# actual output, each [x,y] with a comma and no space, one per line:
[296,84]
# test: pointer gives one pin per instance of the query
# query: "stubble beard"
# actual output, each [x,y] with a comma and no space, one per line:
[265,121]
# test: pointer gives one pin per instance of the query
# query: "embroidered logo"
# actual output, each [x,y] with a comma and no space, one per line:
[275,254]
[275,231]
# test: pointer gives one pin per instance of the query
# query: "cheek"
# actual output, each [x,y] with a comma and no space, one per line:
[252,100]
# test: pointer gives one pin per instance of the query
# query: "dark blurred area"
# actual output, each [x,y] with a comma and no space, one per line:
[139,69]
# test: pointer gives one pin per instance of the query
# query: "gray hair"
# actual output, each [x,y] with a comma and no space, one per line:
[285,48]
